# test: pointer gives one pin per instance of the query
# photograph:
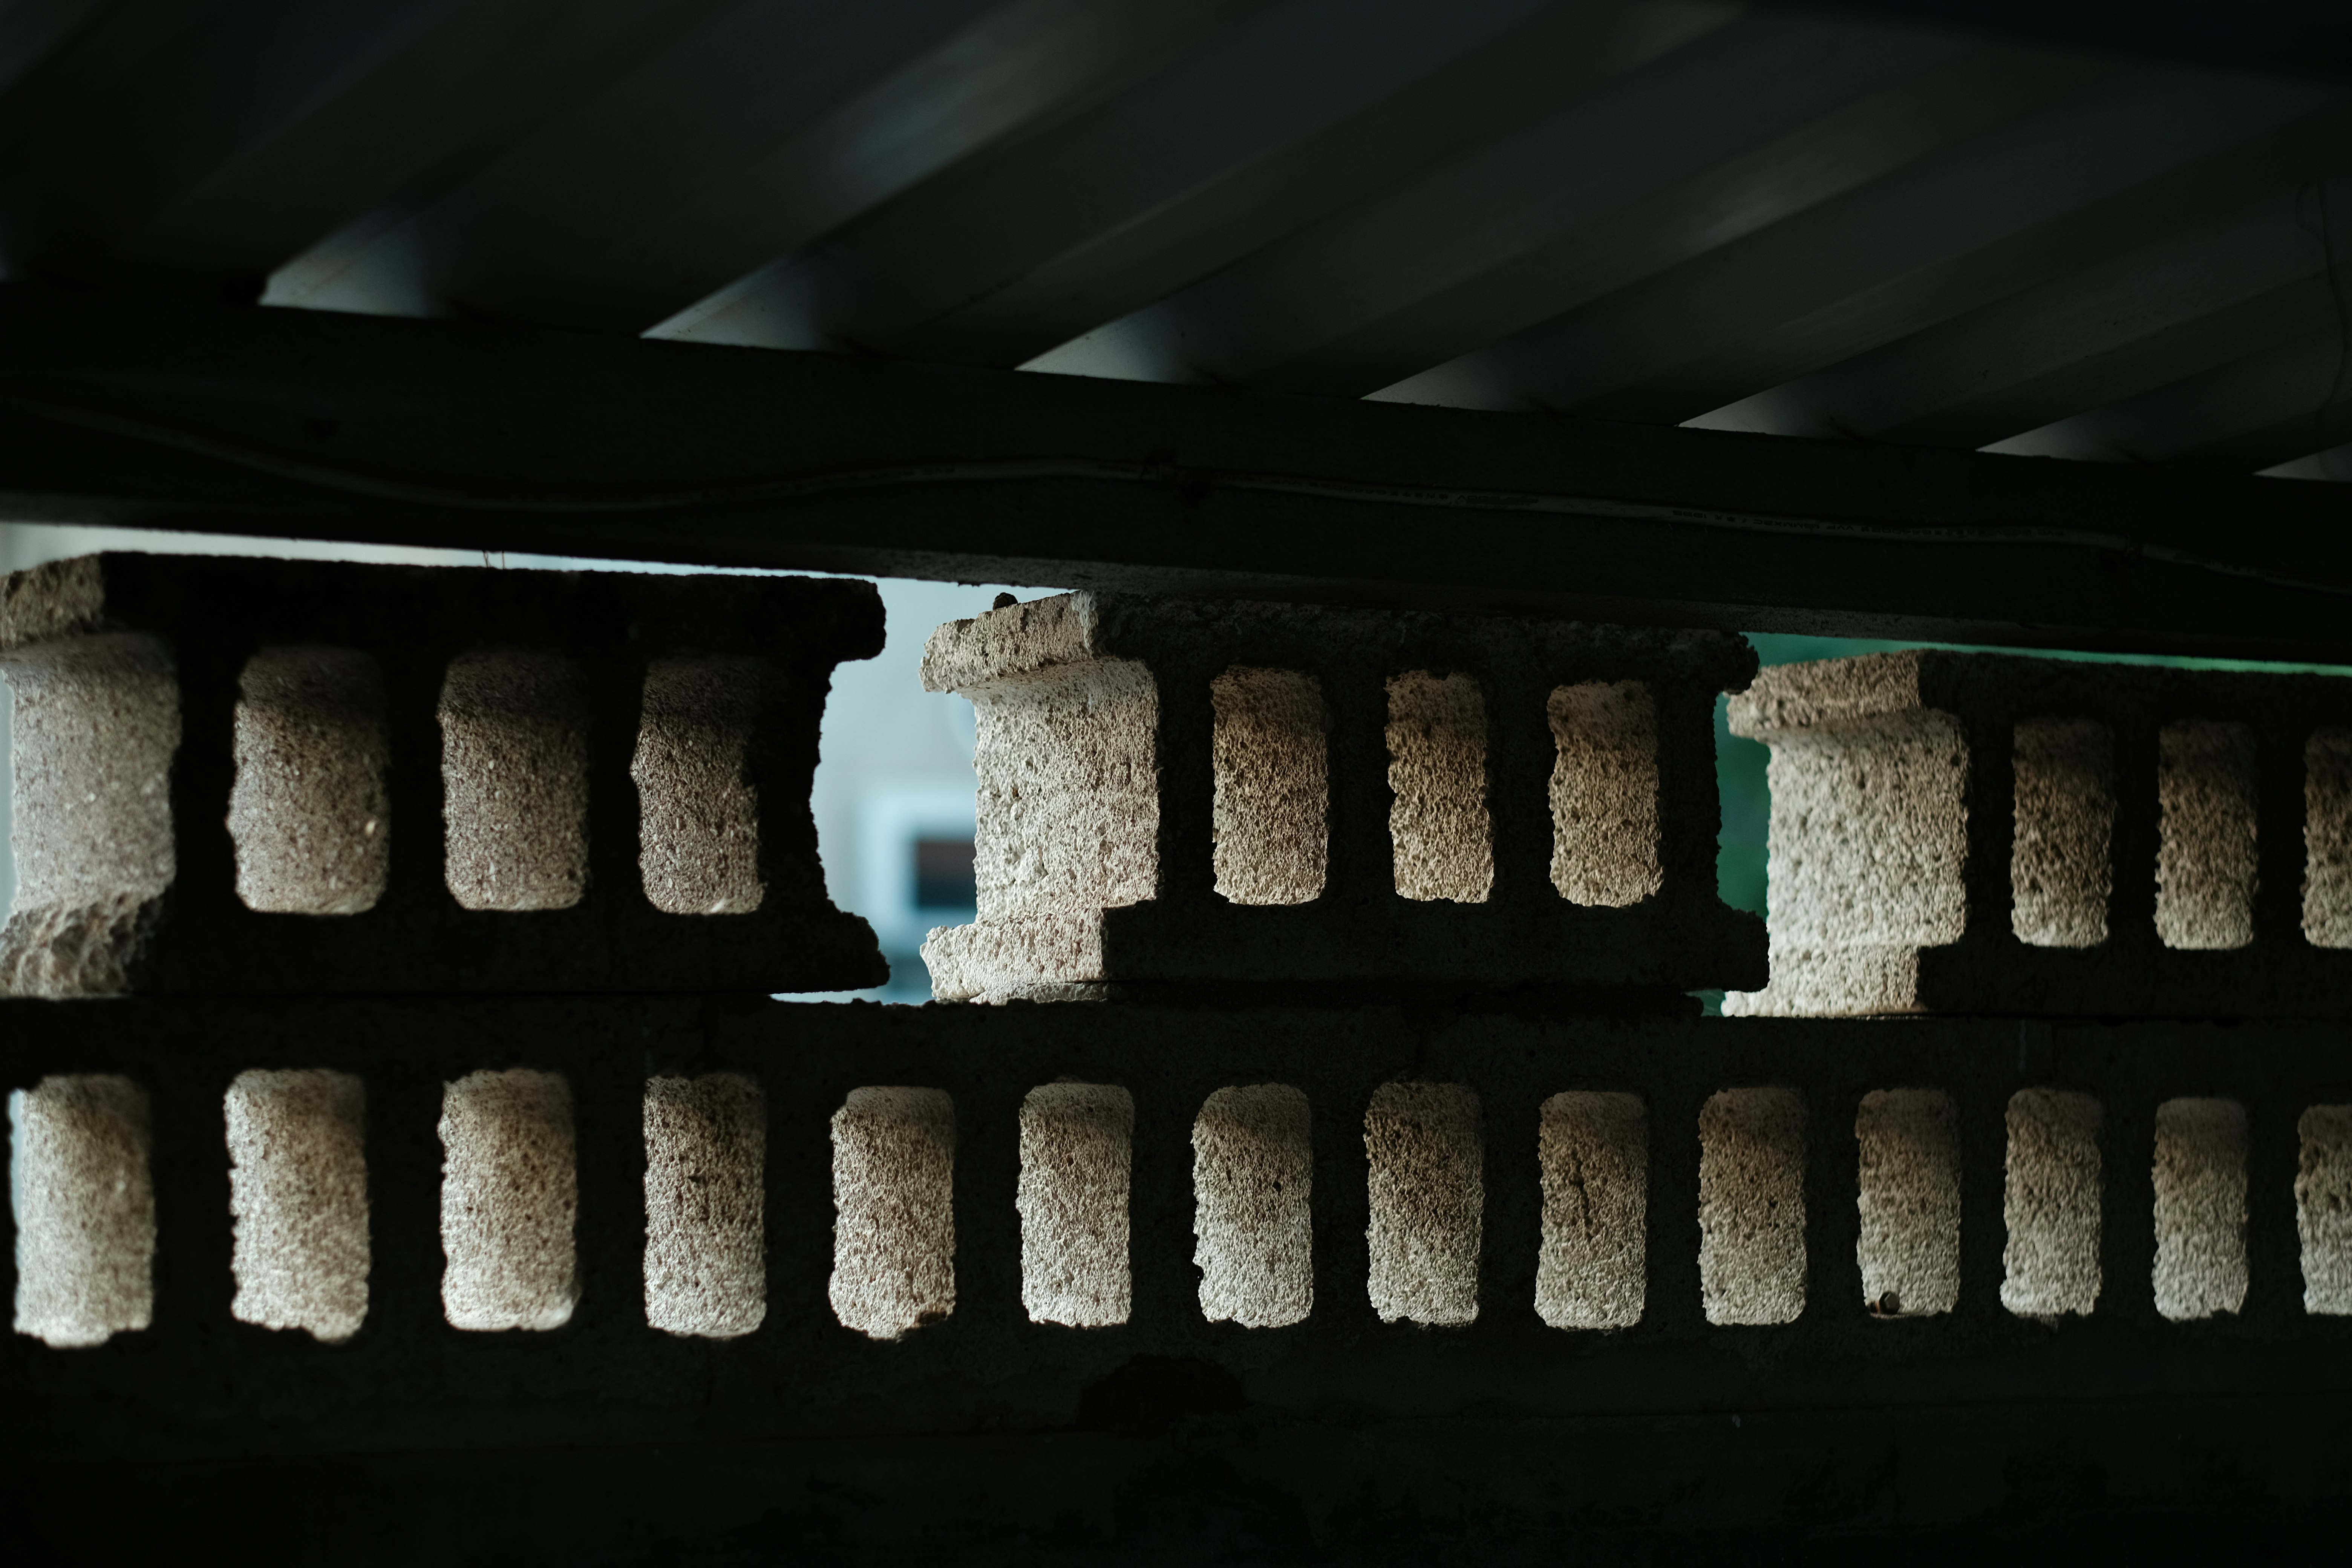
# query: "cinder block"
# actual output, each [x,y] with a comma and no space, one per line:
[2323,1209]
[2051,1203]
[893,1210]
[510,1202]
[1428,1196]
[1077,1165]
[299,1195]
[244,775]
[84,1206]
[1180,797]
[706,1204]
[1594,1152]
[1989,834]
[1909,1247]
[2201,1208]
[1253,1184]
[1751,1205]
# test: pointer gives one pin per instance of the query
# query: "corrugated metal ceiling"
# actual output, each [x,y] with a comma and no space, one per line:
[1774,220]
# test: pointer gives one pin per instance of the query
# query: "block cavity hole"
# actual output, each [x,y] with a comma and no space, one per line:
[2205,857]
[2200,1208]
[2323,1209]
[2061,868]
[706,1204]
[85,1207]
[1252,1177]
[2051,1203]
[1077,1156]
[510,1200]
[298,1197]
[1272,801]
[1909,1248]
[698,832]
[1593,1150]
[893,1210]
[1428,1201]
[1604,793]
[1751,1205]
[2327,838]
[95,725]
[308,813]
[514,774]
[1439,828]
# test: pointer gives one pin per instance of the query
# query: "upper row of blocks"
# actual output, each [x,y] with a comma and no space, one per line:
[202,748]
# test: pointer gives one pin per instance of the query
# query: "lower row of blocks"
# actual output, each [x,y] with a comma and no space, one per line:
[86,1217]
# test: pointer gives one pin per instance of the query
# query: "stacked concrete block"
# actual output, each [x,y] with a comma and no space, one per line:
[510,1202]
[85,1208]
[2201,1208]
[1908,1250]
[1076,1168]
[1180,797]
[298,1197]
[2051,1203]
[1253,1184]
[1751,1205]
[1428,1200]
[705,1205]
[1990,834]
[240,776]
[2323,1209]
[893,1210]
[1593,1148]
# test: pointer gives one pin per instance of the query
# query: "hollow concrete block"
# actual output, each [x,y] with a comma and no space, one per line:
[2051,1203]
[510,1202]
[1428,1200]
[705,1205]
[1179,798]
[893,1210]
[1751,1205]
[2201,1208]
[1253,1186]
[85,1207]
[1593,1149]
[1076,1162]
[434,780]
[2323,1209]
[299,1200]
[1908,1250]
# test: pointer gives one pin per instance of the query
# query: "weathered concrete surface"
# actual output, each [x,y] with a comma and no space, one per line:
[1428,1203]
[509,1200]
[2053,1203]
[2322,1208]
[1254,1183]
[1989,833]
[84,1200]
[1751,1200]
[298,1194]
[2201,1208]
[1180,798]
[706,1204]
[894,1228]
[576,781]
[1077,1159]
[1909,1248]
[1594,1148]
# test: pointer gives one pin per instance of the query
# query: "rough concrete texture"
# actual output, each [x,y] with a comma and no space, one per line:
[85,1209]
[1594,1152]
[1078,1156]
[2061,868]
[2327,838]
[1068,825]
[2051,1201]
[1869,834]
[1751,1205]
[2206,863]
[1443,834]
[510,1199]
[298,1186]
[1428,1193]
[96,724]
[514,776]
[699,833]
[2322,1208]
[2201,1208]
[309,813]
[893,1210]
[1909,1248]
[1272,805]
[706,1204]
[1253,1180]
[1604,793]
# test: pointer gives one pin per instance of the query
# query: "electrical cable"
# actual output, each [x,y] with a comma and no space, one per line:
[422,493]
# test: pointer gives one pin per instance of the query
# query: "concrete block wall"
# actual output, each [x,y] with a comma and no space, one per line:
[1997,834]
[1183,799]
[241,775]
